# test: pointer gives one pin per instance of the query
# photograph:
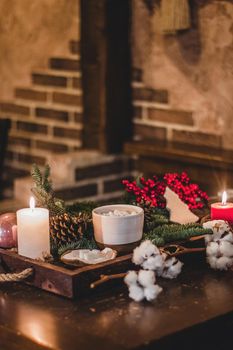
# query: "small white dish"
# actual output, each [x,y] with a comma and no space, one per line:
[88,256]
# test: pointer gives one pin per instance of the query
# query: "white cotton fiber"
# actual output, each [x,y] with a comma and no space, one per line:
[219,228]
[212,261]
[146,278]
[136,293]
[144,251]
[152,292]
[212,249]
[208,238]
[222,263]
[137,256]
[131,278]
[147,249]
[220,254]
[153,263]
[172,268]
[226,248]
[228,236]
[170,261]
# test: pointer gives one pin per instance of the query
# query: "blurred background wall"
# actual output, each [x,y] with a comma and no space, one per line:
[194,70]
[181,91]
[31,32]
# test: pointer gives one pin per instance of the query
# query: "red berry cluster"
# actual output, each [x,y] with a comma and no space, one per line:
[188,192]
[152,190]
[147,191]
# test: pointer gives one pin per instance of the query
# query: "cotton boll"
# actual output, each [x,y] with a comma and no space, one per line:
[226,248]
[159,271]
[212,261]
[208,238]
[147,249]
[212,249]
[172,268]
[227,236]
[219,228]
[131,278]
[153,263]
[170,261]
[152,292]
[176,269]
[146,278]
[208,225]
[136,293]
[137,256]
[144,251]
[224,263]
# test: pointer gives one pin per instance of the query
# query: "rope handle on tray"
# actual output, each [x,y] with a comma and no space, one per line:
[17,276]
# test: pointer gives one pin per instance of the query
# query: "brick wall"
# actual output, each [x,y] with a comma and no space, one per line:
[83,175]
[155,119]
[31,32]
[182,83]
[46,115]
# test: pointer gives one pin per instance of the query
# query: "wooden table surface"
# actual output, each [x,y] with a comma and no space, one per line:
[195,310]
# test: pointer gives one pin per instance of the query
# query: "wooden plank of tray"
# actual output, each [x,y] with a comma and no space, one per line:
[60,279]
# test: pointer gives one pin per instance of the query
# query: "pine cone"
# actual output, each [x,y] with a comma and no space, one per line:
[66,228]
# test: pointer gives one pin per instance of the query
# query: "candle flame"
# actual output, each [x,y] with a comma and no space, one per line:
[224,198]
[32,203]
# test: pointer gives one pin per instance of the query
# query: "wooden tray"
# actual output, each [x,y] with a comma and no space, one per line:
[61,279]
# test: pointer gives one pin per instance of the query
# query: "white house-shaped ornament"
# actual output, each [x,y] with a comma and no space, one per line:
[179,211]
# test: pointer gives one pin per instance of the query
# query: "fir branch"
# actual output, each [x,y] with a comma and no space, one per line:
[175,232]
[43,191]
[85,206]
[155,221]
[36,175]
[154,217]
[47,184]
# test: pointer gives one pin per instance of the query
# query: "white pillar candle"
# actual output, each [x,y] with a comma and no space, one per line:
[33,231]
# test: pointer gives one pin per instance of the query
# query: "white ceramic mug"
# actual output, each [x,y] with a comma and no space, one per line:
[118,230]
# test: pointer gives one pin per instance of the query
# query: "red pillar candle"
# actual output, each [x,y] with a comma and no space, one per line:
[222,210]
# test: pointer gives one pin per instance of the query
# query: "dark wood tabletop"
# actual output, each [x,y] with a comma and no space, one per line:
[195,310]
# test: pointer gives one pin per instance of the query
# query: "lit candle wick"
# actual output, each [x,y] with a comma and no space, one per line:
[224,198]
[32,203]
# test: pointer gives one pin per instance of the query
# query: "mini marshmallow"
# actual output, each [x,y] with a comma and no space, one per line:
[117,212]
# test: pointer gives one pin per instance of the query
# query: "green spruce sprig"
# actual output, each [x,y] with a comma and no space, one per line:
[85,206]
[43,191]
[164,234]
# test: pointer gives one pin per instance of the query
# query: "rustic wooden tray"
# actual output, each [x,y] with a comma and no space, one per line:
[73,281]
[61,279]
